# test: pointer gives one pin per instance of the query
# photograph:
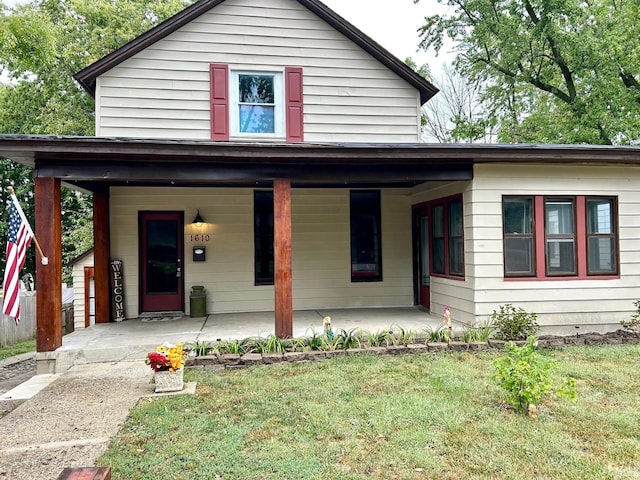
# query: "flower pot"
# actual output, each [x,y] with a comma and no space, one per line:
[167,381]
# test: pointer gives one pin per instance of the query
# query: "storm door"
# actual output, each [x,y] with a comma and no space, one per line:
[161,259]
[421,255]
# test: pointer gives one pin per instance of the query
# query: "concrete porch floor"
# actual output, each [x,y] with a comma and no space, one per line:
[133,339]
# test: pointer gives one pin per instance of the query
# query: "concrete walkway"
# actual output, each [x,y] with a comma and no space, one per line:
[70,422]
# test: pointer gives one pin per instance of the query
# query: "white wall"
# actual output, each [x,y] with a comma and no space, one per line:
[320,247]
[457,294]
[163,91]
[567,302]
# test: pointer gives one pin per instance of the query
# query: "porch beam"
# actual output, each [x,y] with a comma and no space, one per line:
[305,173]
[282,258]
[48,231]
[101,256]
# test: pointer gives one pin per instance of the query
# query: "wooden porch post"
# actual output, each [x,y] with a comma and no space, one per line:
[48,277]
[101,256]
[282,258]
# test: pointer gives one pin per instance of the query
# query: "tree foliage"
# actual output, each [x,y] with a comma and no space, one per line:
[557,71]
[42,44]
[458,113]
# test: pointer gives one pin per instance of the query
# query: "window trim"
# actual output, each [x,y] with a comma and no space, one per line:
[573,236]
[444,202]
[614,233]
[278,105]
[293,107]
[581,239]
[262,280]
[532,235]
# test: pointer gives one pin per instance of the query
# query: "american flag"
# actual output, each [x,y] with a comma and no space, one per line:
[20,235]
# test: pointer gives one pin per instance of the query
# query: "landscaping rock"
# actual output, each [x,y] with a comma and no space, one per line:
[356,351]
[295,356]
[335,353]
[229,359]
[593,339]
[417,348]
[437,347]
[498,344]
[550,341]
[271,358]
[459,346]
[205,360]
[631,340]
[316,355]
[377,350]
[251,359]
[477,346]
[397,349]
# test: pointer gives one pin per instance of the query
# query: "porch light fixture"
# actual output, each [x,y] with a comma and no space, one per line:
[198,221]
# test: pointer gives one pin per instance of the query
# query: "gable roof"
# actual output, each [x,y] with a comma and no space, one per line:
[87,76]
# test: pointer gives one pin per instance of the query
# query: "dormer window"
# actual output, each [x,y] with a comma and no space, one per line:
[257,101]
[256,104]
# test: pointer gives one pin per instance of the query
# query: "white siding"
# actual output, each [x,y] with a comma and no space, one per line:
[163,91]
[457,294]
[78,290]
[320,247]
[568,302]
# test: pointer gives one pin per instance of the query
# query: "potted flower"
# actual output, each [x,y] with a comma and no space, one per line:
[168,364]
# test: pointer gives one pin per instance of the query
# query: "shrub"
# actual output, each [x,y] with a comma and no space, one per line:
[514,323]
[199,347]
[438,335]
[526,377]
[383,338]
[400,336]
[347,339]
[633,324]
[479,332]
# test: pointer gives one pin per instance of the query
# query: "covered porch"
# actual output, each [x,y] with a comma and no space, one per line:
[104,165]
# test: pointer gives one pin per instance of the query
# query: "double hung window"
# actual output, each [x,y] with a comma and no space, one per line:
[550,237]
[256,103]
[447,238]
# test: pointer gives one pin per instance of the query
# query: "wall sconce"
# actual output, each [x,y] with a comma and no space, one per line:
[198,221]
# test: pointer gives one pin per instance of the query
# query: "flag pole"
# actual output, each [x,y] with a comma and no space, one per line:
[43,257]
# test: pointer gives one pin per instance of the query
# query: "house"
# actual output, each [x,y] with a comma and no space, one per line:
[296,139]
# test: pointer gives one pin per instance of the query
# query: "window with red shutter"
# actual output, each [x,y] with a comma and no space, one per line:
[256,104]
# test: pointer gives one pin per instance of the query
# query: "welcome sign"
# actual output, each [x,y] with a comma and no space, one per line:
[117,291]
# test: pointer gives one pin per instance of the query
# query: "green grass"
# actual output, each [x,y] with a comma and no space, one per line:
[17,349]
[407,417]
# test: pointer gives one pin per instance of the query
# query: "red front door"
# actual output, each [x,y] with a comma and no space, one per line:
[161,259]
[421,254]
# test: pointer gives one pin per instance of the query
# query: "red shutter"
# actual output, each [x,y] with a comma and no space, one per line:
[294,111]
[220,102]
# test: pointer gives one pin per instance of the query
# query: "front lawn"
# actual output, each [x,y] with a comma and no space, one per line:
[409,417]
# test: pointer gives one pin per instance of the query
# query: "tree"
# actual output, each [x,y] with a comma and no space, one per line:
[457,114]
[42,44]
[558,71]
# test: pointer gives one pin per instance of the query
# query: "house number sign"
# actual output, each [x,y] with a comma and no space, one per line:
[200,237]
[117,291]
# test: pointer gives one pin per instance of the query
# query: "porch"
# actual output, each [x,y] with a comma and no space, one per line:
[133,339]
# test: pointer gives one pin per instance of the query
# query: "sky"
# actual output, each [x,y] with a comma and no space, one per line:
[391,23]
